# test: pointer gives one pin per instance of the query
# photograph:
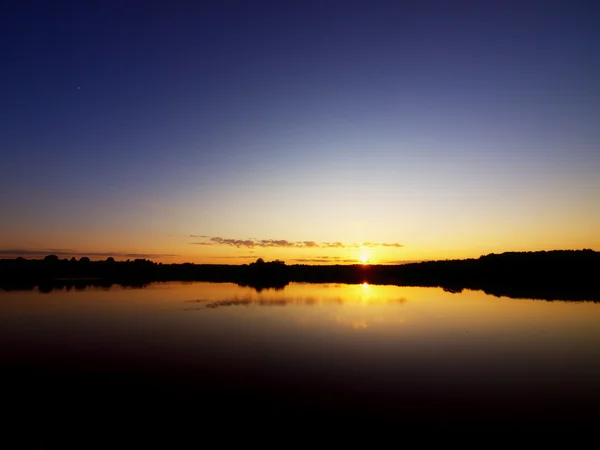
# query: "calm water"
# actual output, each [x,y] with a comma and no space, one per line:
[206,354]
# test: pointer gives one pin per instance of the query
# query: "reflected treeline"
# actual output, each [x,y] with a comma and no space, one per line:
[67,285]
[553,275]
[549,275]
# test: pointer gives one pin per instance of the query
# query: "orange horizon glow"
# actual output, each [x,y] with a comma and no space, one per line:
[225,256]
[347,248]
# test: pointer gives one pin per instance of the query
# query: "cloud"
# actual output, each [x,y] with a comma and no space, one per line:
[283,243]
[68,253]
[236,257]
[324,259]
[402,261]
[233,242]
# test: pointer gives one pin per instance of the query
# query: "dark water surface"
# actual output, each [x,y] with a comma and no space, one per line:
[180,360]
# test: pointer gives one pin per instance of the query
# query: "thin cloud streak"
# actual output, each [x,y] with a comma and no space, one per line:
[283,243]
[398,262]
[322,260]
[75,253]
[237,257]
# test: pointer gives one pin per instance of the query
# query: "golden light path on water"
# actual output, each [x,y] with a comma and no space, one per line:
[419,311]
[381,347]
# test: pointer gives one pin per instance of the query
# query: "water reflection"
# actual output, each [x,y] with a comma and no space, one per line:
[314,295]
[572,292]
[377,354]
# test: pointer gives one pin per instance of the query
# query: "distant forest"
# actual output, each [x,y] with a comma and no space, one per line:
[549,275]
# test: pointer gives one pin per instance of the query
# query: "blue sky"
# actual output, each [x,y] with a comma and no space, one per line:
[451,128]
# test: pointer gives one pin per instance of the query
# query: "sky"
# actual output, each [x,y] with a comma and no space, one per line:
[308,131]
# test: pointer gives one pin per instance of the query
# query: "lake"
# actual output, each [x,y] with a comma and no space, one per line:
[200,357]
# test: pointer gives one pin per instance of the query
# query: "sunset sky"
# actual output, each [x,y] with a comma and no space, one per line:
[307,131]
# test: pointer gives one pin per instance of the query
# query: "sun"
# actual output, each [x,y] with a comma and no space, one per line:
[364,259]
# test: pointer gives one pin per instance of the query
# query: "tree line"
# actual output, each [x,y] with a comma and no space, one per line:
[557,274]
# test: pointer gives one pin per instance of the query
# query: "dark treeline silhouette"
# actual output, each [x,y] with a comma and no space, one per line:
[549,275]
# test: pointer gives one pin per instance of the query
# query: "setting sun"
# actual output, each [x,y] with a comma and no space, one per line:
[364,259]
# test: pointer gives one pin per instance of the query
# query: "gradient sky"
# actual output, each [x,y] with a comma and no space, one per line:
[309,131]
